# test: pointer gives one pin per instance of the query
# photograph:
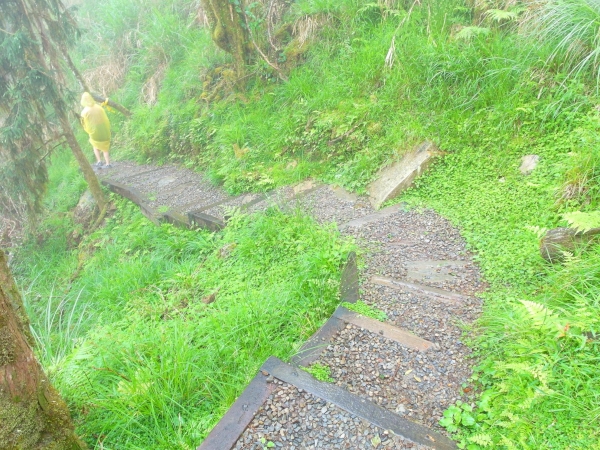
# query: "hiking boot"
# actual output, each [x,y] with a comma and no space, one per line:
[98,165]
[107,166]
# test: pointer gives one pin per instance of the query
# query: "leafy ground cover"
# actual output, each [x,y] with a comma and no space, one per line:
[471,79]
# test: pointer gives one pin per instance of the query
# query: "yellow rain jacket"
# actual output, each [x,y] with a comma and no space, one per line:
[95,123]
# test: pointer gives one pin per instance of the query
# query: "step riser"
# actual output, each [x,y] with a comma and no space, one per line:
[229,429]
[435,293]
[388,331]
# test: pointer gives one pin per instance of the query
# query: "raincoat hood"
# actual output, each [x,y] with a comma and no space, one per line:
[87,100]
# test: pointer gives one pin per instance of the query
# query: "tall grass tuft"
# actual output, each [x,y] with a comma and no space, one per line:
[572,28]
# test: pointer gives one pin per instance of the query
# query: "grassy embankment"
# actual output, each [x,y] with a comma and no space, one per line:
[486,95]
[164,328]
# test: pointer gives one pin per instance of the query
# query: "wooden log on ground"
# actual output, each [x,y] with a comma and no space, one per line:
[560,240]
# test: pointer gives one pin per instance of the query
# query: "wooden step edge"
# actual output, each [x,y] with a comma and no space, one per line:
[176,218]
[429,291]
[314,346]
[318,342]
[136,197]
[349,287]
[388,331]
[356,405]
[260,198]
[210,205]
[232,425]
[303,193]
[359,222]
[185,208]
[205,221]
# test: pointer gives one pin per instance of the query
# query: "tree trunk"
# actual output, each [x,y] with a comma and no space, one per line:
[229,31]
[32,414]
[84,164]
[84,86]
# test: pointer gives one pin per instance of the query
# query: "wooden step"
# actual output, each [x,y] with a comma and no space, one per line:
[403,337]
[381,214]
[432,292]
[356,405]
[226,433]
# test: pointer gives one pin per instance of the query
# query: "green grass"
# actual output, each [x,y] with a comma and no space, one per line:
[366,310]
[486,102]
[141,359]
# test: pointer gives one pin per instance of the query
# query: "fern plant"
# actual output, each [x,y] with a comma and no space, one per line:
[583,221]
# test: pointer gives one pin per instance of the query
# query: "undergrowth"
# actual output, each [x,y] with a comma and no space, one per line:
[164,327]
[320,372]
[462,77]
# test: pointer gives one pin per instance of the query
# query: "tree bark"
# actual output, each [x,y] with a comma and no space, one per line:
[84,86]
[229,32]
[32,414]
[88,172]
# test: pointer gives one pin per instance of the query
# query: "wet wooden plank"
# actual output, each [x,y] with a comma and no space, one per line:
[349,289]
[201,220]
[232,425]
[432,292]
[312,349]
[136,197]
[403,337]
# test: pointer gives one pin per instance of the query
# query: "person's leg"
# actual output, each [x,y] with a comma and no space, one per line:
[107,158]
[98,157]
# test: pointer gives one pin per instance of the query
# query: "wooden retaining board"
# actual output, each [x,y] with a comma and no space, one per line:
[403,337]
[232,425]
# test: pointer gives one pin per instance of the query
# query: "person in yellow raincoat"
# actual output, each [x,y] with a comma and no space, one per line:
[95,122]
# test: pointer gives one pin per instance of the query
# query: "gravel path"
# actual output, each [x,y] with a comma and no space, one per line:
[293,419]
[410,246]
[416,385]
[329,204]
[410,236]
[167,187]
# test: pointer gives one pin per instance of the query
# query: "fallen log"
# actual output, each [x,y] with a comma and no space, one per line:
[557,241]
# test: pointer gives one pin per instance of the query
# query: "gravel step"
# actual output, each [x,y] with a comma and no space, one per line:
[224,209]
[373,217]
[122,170]
[276,198]
[333,204]
[432,292]
[295,419]
[403,337]
[152,182]
[361,407]
[416,385]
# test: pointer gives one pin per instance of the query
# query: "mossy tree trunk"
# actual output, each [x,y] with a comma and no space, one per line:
[84,164]
[229,32]
[32,414]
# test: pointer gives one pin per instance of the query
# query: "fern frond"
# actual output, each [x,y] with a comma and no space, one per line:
[540,315]
[485,440]
[500,15]
[468,33]
[583,221]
